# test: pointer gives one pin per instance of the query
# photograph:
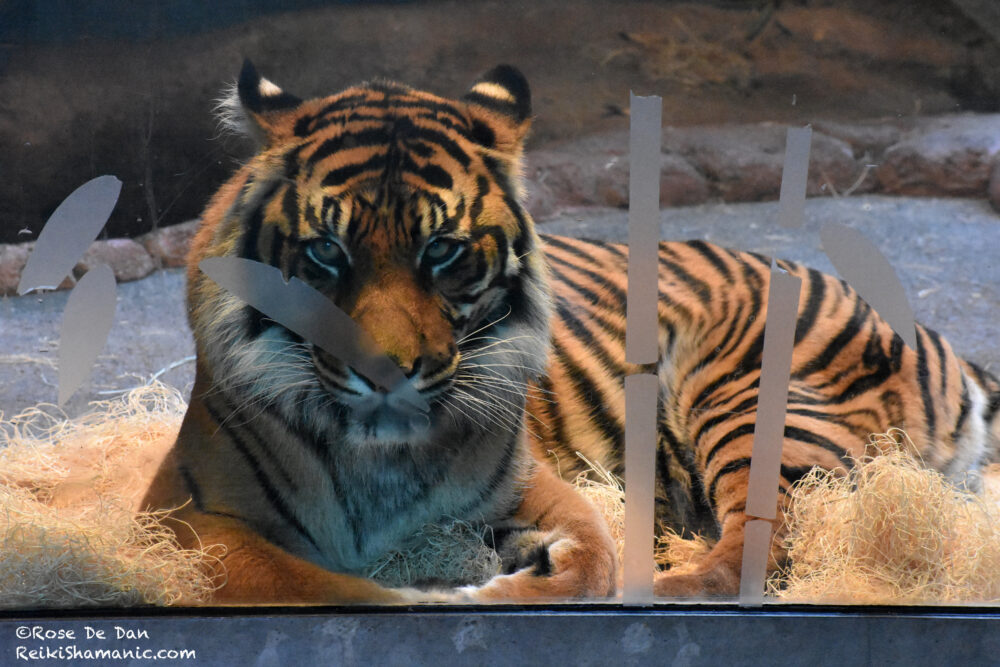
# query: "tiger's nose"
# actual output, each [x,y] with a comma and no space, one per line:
[428,365]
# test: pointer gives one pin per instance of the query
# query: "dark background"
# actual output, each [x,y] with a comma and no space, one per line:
[128,88]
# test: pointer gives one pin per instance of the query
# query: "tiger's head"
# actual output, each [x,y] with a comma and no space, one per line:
[403,208]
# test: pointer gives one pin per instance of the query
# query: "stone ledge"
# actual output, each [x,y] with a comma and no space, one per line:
[129,259]
[950,156]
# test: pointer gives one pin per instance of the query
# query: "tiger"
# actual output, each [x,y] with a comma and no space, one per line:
[406,210]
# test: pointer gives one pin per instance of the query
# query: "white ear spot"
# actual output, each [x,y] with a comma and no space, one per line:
[268,89]
[494,90]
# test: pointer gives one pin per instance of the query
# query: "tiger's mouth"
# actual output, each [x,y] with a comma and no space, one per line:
[375,415]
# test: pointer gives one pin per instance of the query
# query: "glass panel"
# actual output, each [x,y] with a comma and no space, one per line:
[368,343]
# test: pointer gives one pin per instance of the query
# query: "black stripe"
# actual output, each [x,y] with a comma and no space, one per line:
[802,435]
[588,297]
[571,248]
[942,360]
[554,412]
[343,174]
[749,363]
[813,305]
[309,124]
[795,473]
[617,295]
[735,465]
[493,104]
[739,431]
[924,380]
[963,412]
[192,486]
[255,322]
[699,288]
[522,242]
[501,472]
[873,357]
[700,517]
[859,431]
[366,138]
[582,333]
[592,397]
[845,336]
[252,235]
[742,408]
[713,257]
[482,188]
[197,498]
[432,174]
[271,493]
[442,140]
[255,220]
[362,108]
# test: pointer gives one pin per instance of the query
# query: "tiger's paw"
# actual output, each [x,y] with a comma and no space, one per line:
[715,582]
[526,550]
[539,566]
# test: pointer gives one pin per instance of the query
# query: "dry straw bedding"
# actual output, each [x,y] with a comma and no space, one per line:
[888,532]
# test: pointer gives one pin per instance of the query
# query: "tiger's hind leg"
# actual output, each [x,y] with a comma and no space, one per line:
[717,573]
[722,455]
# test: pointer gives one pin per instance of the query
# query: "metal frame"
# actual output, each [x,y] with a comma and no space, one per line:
[586,634]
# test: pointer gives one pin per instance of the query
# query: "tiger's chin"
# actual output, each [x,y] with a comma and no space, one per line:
[379,419]
[388,426]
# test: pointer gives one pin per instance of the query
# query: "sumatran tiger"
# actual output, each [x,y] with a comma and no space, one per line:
[405,210]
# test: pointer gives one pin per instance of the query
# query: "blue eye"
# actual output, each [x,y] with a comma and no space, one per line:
[328,253]
[442,250]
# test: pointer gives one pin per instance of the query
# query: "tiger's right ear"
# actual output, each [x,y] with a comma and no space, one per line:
[257,107]
[499,103]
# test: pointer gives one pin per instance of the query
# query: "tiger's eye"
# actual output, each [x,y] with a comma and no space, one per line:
[327,252]
[441,250]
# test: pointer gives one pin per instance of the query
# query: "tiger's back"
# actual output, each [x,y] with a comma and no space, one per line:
[852,376]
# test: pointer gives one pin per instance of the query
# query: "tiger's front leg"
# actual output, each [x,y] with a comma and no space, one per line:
[249,569]
[252,570]
[565,551]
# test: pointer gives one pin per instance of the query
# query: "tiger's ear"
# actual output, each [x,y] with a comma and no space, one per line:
[500,108]
[257,107]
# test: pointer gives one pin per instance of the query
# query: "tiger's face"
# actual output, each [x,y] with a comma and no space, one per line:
[403,209]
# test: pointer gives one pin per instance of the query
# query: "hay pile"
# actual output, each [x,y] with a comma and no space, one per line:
[450,554]
[69,492]
[889,532]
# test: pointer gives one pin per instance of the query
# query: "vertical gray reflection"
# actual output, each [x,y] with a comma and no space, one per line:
[87,320]
[641,347]
[643,229]
[640,441]
[794,177]
[776,366]
[753,572]
[68,232]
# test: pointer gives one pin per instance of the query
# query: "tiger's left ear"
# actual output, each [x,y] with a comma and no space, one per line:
[257,107]
[500,108]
